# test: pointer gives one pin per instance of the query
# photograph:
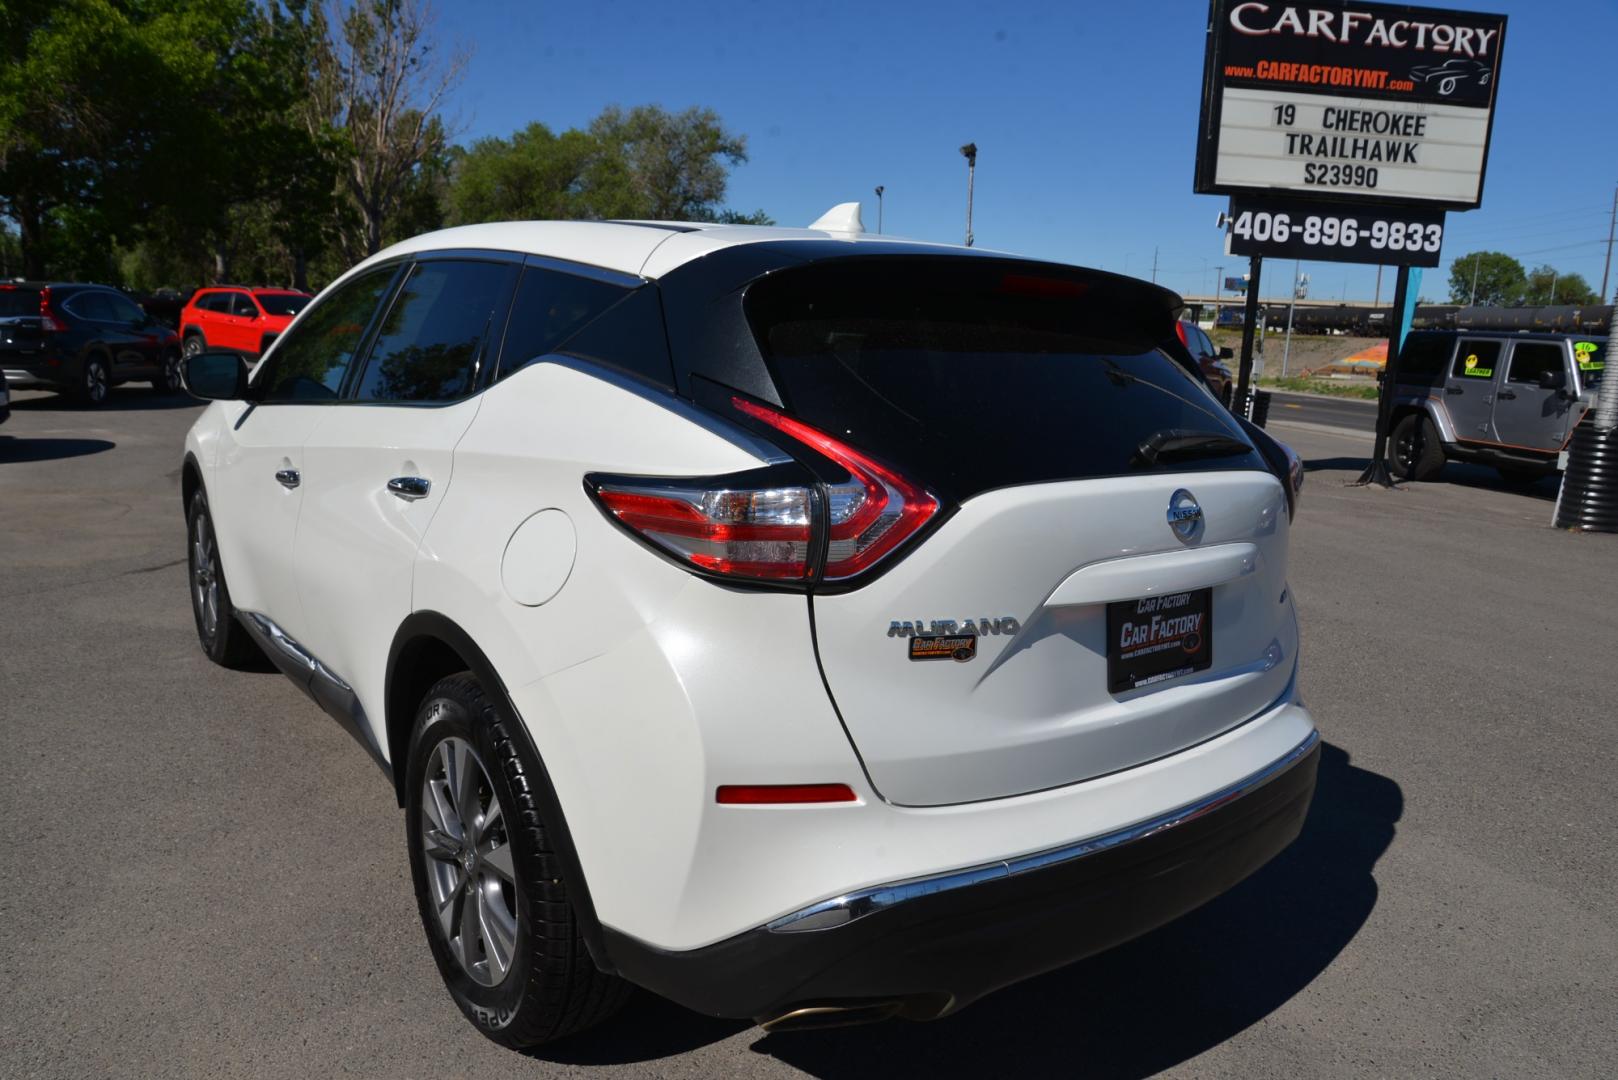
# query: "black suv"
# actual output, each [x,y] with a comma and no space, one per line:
[82,340]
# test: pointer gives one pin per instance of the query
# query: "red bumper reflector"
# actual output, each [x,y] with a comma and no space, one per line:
[760,794]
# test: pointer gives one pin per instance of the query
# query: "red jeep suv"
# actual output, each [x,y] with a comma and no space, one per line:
[238,319]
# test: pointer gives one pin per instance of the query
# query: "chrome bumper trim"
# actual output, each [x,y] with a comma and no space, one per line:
[842,910]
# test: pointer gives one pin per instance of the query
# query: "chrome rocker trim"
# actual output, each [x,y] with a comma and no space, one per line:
[842,910]
[324,686]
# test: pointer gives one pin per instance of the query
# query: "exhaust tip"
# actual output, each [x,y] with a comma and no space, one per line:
[814,1017]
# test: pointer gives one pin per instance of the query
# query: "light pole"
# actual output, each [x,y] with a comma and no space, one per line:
[879,190]
[1218,283]
[970,153]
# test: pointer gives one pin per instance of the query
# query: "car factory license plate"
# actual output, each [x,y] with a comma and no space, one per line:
[1157,638]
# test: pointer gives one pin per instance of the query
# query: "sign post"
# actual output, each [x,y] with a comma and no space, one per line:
[1344,134]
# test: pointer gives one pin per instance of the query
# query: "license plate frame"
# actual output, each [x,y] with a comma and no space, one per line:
[1150,641]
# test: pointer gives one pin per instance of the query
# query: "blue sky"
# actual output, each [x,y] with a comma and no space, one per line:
[1084,114]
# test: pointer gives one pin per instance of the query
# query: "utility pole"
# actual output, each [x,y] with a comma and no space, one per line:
[1378,301]
[879,190]
[1612,225]
[1154,266]
[1218,282]
[1473,299]
[970,153]
[1286,349]
[1244,373]
[1552,299]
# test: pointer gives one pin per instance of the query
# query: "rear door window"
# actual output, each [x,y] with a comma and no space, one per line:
[90,305]
[1530,360]
[309,361]
[241,304]
[1424,358]
[1476,360]
[549,308]
[432,340]
[977,375]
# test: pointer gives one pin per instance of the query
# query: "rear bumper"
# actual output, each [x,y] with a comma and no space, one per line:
[928,946]
[41,375]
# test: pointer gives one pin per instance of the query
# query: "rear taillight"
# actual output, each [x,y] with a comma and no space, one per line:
[48,319]
[871,513]
[774,524]
[740,531]
[1179,328]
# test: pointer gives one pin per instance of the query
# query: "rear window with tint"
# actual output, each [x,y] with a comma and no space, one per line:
[282,303]
[1424,357]
[14,302]
[973,375]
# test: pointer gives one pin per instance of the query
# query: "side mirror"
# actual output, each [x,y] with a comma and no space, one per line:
[1553,380]
[216,376]
[1226,353]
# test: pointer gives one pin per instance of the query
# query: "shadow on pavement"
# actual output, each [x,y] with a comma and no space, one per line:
[1130,1012]
[1348,464]
[1460,473]
[138,398]
[20,450]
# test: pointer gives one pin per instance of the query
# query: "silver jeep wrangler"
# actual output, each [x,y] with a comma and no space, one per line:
[1510,400]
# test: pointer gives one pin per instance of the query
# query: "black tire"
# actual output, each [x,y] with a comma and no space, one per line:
[95,382]
[1414,450]
[1226,394]
[167,380]
[552,987]
[225,640]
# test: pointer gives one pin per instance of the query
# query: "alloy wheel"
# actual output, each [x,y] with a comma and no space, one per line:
[95,381]
[205,576]
[469,868]
[171,372]
[193,346]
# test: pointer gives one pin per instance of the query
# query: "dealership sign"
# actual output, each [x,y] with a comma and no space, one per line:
[1358,103]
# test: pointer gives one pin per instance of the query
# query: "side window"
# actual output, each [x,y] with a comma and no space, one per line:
[1531,359]
[309,361]
[1477,359]
[90,305]
[1424,358]
[550,307]
[433,336]
[123,309]
[1207,344]
[242,304]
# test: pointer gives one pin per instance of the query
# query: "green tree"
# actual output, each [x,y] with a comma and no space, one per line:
[123,119]
[537,174]
[1547,285]
[676,164]
[640,163]
[379,85]
[1498,279]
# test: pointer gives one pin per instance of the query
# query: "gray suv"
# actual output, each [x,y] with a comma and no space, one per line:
[1510,400]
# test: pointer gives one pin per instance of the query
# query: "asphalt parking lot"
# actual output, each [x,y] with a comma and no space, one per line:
[204,876]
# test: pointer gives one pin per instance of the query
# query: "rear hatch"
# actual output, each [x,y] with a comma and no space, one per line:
[21,328]
[1055,626]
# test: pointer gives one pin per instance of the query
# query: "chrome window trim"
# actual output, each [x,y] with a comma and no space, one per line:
[598,273]
[842,910]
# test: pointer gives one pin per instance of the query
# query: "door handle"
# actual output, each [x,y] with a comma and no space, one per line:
[410,488]
[288,478]
[1506,395]
[1453,390]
